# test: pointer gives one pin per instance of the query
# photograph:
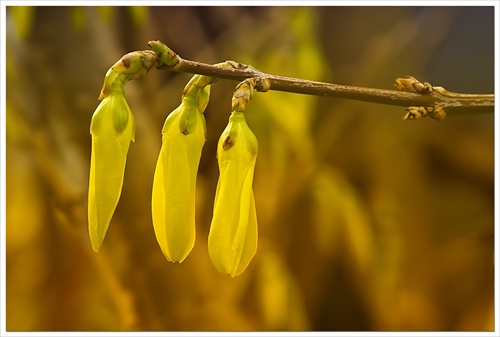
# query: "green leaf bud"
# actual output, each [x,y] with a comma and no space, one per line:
[166,55]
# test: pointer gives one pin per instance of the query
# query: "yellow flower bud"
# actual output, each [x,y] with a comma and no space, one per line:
[232,241]
[112,128]
[174,184]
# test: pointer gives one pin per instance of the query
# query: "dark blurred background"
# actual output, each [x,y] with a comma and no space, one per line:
[366,222]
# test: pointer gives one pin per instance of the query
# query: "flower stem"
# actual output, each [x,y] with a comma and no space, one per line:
[438,99]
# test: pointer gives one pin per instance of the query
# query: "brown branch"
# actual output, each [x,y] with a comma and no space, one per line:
[421,98]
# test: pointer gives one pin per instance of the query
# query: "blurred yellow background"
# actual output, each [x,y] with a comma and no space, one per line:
[366,222]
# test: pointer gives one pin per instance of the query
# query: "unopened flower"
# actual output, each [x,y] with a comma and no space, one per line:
[232,241]
[112,128]
[174,185]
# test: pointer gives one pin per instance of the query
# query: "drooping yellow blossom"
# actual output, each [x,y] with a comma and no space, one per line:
[174,185]
[112,128]
[232,241]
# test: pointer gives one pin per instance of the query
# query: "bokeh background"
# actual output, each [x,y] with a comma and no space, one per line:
[366,222]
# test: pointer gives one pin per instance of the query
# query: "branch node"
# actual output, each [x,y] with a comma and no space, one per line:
[411,84]
[417,112]
[262,84]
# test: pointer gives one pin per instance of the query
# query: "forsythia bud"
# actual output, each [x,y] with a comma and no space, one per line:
[174,185]
[232,241]
[112,128]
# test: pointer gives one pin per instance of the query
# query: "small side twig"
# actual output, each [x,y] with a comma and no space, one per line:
[421,98]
